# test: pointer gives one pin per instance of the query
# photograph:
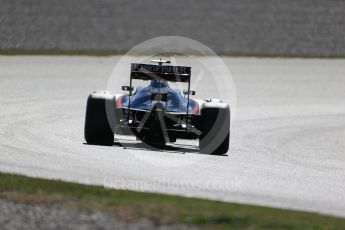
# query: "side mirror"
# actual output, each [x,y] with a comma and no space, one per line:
[191,92]
[126,88]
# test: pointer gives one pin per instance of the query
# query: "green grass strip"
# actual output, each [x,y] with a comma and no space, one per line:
[14,52]
[158,208]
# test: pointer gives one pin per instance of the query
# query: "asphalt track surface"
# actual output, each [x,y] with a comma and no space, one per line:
[287,139]
[255,27]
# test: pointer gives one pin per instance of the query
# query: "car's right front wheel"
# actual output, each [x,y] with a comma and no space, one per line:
[215,128]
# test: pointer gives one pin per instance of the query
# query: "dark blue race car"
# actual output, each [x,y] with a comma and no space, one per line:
[157,113]
[174,102]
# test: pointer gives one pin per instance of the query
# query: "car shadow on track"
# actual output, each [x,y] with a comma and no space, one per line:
[179,148]
[168,148]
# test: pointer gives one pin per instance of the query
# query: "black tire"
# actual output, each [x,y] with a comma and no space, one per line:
[100,113]
[215,128]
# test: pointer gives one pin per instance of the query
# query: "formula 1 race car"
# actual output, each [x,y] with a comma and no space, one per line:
[157,113]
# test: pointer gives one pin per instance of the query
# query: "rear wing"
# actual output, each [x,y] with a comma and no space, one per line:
[160,72]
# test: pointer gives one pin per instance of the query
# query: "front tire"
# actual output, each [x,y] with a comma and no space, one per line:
[100,114]
[215,128]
